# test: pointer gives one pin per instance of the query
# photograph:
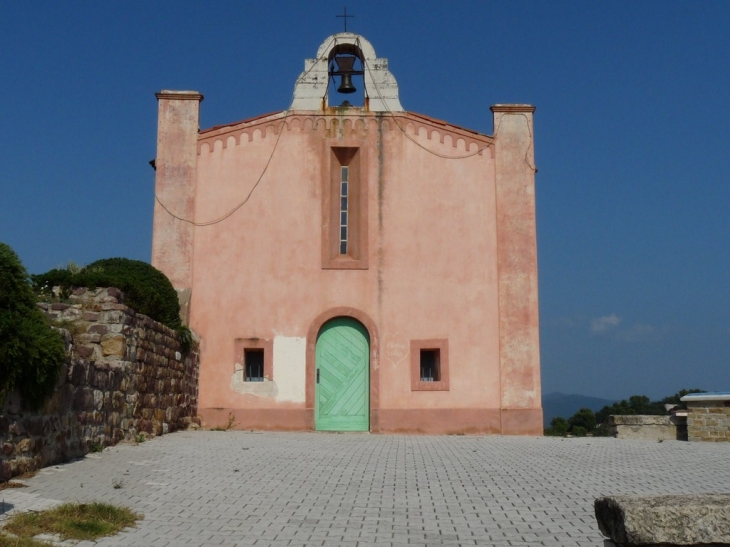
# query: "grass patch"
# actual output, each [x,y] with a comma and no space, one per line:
[82,521]
[6,541]
[229,425]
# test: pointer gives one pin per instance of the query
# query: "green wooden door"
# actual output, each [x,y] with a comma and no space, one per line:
[342,388]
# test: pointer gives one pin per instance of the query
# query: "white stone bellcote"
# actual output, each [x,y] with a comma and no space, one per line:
[381,89]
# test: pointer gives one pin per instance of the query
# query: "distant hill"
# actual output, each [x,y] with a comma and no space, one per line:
[560,404]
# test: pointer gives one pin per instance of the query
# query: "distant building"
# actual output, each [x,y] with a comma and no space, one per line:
[354,267]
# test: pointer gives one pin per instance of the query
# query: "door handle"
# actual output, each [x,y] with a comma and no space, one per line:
[317,375]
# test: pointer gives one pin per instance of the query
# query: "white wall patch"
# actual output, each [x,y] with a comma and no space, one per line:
[290,359]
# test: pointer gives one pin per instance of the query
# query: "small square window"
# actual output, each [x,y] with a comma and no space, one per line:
[430,365]
[254,359]
[254,365]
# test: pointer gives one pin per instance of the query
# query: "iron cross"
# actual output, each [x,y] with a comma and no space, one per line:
[345,17]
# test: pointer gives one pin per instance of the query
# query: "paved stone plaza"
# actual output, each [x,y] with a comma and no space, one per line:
[296,489]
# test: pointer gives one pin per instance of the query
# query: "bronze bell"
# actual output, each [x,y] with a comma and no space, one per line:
[346,84]
[345,69]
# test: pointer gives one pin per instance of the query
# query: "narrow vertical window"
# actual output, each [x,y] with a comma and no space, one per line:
[345,211]
[344,204]
[254,365]
[430,365]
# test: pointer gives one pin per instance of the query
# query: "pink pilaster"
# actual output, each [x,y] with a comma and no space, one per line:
[517,269]
[175,164]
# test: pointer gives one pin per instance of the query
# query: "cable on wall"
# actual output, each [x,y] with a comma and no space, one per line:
[248,196]
[281,130]
[395,121]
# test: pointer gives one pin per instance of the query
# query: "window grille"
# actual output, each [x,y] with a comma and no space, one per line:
[430,365]
[344,199]
[254,365]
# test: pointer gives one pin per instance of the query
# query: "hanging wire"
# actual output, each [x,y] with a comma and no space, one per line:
[266,167]
[282,127]
[529,147]
[248,196]
[395,121]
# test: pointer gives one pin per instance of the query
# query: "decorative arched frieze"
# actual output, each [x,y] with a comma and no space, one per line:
[416,126]
[449,136]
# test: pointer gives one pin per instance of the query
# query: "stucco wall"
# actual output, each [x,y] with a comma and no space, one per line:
[434,246]
[124,376]
[423,216]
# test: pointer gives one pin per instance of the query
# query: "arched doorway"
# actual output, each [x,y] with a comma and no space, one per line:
[342,381]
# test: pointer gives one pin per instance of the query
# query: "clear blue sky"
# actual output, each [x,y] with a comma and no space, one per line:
[631,128]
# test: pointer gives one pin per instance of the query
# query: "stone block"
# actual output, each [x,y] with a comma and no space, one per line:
[117,365]
[88,338]
[691,519]
[111,316]
[98,329]
[98,399]
[25,446]
[113,345]
[115,293]
[84,352]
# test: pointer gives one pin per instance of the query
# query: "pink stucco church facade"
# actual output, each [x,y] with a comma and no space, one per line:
[354,267]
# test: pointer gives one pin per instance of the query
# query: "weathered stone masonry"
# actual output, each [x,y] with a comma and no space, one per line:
[124,377]
[708,423]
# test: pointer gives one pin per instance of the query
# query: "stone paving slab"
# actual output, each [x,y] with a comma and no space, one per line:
[231,488]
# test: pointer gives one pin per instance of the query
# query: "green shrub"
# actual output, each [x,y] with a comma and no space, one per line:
[186,339]
[559,426]
[31,353]
[145,288]
[584,419]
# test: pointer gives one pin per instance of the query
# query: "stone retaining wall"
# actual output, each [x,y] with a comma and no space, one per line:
[125,378]
[650,428]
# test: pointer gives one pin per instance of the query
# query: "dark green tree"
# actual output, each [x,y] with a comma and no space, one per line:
[584,419]
[31,353]
[559,426]
[675,399]
[621,408]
